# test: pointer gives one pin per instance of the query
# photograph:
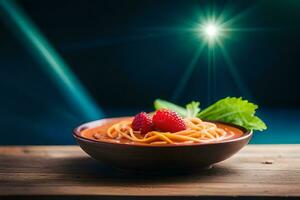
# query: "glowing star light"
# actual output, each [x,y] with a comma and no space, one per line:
[210,31]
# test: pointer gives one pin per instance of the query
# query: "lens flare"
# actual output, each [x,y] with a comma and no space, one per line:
[211,30]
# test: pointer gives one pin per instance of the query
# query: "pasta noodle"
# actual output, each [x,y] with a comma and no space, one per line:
[197,131]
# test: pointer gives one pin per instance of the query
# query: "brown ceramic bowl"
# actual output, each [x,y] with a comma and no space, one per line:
[138,157]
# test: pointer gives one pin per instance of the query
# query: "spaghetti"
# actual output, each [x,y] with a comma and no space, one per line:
[197,131]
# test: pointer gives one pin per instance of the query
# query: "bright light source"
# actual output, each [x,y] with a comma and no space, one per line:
[211,30]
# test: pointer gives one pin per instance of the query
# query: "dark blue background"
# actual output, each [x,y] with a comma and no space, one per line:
[127,53]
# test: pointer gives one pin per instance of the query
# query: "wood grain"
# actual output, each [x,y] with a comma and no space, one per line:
[67,171]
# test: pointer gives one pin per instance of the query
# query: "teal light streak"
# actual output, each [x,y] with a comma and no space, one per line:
[239,16]
[49,59]
[234,72]
[214,76]
[211,74]
[187,73]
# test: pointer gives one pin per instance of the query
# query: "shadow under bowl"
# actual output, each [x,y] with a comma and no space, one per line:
[139,157]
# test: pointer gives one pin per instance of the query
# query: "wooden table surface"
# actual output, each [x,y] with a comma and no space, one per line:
[51,171]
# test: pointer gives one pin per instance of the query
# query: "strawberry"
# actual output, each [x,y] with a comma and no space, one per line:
[168,121]
[142,122]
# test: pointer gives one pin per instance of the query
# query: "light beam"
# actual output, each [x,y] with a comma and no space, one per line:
[49,59]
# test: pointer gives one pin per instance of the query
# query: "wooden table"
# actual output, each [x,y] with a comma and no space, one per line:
[66,171]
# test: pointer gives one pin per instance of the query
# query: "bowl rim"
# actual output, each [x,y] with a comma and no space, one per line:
[76,134]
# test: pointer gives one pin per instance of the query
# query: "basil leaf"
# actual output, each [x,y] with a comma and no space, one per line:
[236,111]
[192,109]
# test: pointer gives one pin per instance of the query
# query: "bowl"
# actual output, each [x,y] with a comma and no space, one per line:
[140,157]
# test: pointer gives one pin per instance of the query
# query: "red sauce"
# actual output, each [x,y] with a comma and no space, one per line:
[98,133]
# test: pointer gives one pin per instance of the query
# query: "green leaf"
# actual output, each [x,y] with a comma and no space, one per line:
[192,109]
[158,104]
[236,111]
